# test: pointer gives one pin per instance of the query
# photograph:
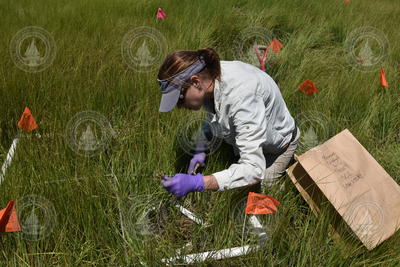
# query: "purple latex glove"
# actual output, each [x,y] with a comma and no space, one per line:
[182,184]
[197,158]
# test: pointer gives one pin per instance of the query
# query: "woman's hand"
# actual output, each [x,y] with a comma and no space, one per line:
[199,158]
[182,184]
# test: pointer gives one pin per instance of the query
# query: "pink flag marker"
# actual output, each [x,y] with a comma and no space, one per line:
[161,14]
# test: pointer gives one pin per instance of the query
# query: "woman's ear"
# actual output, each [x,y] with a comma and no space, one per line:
[195,81]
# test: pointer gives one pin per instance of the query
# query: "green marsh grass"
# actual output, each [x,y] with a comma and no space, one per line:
[94,215]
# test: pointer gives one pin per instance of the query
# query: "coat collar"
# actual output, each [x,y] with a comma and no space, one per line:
[215,109]
[217,96]
[218,91]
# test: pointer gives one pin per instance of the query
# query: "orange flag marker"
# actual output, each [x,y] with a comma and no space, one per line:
[161,14]
[27,122]
[261,204]
[308,87]
[383,79]
[8,219]
[275,45]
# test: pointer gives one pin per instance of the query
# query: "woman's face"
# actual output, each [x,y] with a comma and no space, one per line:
[195,94]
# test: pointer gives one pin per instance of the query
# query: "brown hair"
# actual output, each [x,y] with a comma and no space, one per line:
[181,59]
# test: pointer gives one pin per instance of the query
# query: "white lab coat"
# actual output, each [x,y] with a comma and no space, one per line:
[252,116]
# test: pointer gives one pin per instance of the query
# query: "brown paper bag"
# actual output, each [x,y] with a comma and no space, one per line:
[362,193]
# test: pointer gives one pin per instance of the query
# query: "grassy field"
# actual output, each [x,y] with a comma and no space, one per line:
[89,210]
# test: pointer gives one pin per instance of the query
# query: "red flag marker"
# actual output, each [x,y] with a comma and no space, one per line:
[261,204]
[161,14]
[275,45]
[27,122]
[383,79]
[308,87]
[8,219]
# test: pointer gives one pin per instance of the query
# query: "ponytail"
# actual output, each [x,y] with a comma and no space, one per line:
[213,66]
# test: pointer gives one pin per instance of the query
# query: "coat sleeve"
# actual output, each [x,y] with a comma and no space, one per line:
[247,117]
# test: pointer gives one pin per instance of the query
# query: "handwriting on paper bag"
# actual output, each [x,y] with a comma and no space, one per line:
[336,164]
